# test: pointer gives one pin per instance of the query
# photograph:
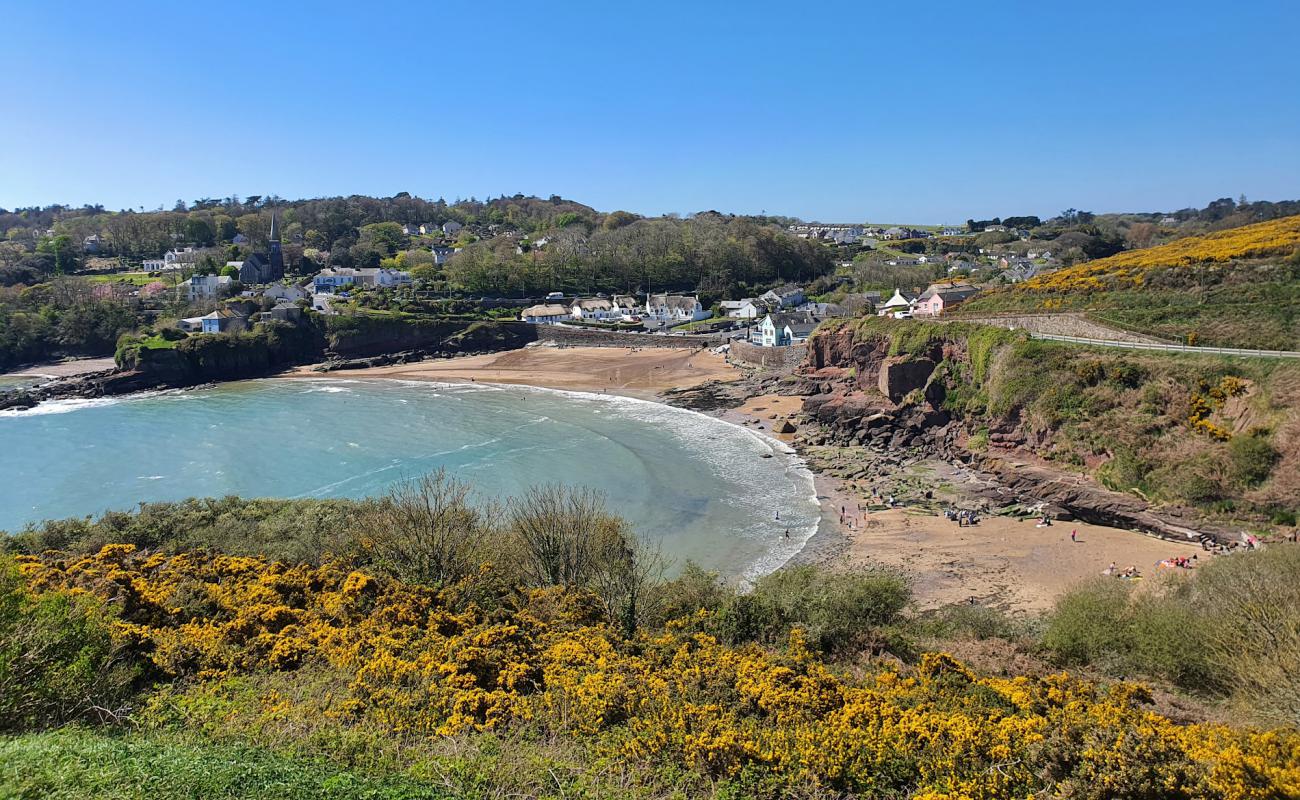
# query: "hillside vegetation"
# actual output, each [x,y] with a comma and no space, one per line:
[1239,287]
[428,646]
[1219,433]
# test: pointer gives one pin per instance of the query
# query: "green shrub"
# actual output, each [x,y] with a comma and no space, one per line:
[1089,624]
[57,659]
[837,610]
[962,621]
[695,589]
[1253,457]
[1247,608]
[1158,632]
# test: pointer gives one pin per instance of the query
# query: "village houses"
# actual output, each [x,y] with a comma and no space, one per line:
[207,287]
[336,278]
[784,329]
[744,308]
[900,305]
[546,314]
[940,297]
[675,308]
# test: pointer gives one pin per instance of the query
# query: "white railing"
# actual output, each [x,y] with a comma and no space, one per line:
[1176,348]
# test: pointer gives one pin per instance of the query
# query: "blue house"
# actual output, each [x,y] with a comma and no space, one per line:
[224,320]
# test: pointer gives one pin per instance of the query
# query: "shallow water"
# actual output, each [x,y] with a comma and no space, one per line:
[697,487]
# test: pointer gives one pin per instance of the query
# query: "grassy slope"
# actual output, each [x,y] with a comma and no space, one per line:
[79,763]
[1239,287]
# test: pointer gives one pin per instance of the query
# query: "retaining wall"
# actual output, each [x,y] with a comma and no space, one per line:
[586,337]
[769,357]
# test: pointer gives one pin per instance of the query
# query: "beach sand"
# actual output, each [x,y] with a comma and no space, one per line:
[63,369]
[642,372]
[1001,561]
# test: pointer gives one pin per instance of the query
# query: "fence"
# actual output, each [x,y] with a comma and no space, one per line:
[1174,348]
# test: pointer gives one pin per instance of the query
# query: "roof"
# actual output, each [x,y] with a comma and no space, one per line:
[624,300]
[597,304]
[907,297]
[950,291]
[741,303]
[550,310]
[674,301]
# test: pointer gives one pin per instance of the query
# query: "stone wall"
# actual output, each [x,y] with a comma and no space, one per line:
[587,337]
[769,357]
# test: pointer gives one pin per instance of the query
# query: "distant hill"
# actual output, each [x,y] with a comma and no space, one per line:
[1234,288]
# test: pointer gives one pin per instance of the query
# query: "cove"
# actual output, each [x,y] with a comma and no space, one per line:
[695,486]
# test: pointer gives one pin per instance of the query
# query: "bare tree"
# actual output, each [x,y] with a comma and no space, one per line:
[426,530]
[562,532]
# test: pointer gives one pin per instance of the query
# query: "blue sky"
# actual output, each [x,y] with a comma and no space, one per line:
[885,112]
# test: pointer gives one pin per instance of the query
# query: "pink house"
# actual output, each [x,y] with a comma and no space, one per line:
[939,297]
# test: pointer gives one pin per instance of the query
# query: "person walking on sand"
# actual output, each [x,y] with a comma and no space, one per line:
[1074,536]
[787,533]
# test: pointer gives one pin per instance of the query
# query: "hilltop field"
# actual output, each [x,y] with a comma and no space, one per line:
[1233,288]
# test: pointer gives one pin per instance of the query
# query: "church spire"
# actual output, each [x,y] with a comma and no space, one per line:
[275,229]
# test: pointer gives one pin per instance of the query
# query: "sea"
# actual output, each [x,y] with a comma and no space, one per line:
[693,486]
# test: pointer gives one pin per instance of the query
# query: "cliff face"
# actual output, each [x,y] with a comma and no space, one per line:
[1057,425]
[860,394]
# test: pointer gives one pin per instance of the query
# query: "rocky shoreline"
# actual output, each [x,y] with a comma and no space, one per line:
[916,453]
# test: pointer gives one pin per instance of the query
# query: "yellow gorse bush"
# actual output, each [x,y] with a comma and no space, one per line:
[1128,269]
[441,662]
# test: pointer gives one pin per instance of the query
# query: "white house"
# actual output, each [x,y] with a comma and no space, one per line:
[627,307]
[332,279]
[451,227]
[547,314]
[783,330]
[207,287]
[674,308]
[740,309]
[286,292]
[787,296]
[901,303]
[441,253]
[596,308]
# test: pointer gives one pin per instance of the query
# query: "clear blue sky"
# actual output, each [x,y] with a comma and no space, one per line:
[887,112]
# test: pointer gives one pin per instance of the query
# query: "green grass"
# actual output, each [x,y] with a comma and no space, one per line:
[81,763]
[133,278]
[705,324]
[157,342]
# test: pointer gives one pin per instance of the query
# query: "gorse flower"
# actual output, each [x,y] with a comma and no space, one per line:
[443,662]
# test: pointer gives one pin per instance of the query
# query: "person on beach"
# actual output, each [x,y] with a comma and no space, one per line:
[787,533]
[1074,536]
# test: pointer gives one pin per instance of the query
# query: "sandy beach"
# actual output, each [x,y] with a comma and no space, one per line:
[63,369]
[635,372]
[1001,561]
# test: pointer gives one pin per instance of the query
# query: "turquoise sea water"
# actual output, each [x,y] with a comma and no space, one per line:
[696,486]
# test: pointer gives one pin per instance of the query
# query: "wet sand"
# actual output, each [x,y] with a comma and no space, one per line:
[634,372]
[63,369]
